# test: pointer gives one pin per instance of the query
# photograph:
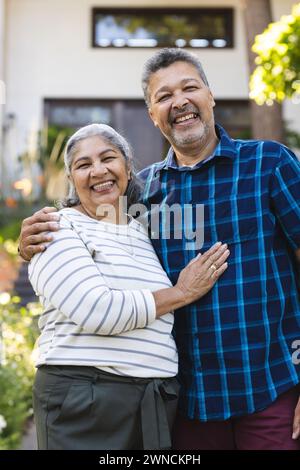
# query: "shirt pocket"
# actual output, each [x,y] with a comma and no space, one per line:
[234,219]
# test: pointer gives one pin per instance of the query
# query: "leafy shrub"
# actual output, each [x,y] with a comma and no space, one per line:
[11,231]
[19,332]
[277,75]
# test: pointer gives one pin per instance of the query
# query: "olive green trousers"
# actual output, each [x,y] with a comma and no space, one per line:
[78,407]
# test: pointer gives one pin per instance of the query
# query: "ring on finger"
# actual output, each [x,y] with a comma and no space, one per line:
[213,267]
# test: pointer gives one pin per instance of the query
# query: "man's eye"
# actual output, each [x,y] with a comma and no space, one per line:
[163,98]
[107,159]
[82,166]
[190,88]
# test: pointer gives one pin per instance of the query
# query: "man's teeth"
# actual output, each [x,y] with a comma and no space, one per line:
[185,118]
[103,186]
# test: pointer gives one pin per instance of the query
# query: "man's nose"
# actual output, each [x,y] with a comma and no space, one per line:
[179,101]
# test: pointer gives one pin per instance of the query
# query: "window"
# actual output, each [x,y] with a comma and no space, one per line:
[149,27]
[145,139]
[77,113]
[130,118]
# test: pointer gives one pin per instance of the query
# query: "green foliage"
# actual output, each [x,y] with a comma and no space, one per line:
[11,217]
[277,74]
[293,139]
[171,27]
[10,247]
[10,231]
[51,151]
[52,143]
[19,331]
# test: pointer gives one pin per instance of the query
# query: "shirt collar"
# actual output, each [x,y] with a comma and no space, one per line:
[225,148]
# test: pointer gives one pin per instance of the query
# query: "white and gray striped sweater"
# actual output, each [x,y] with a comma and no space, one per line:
[95,281]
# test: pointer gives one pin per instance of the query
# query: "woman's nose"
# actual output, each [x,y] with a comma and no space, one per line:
[99,169]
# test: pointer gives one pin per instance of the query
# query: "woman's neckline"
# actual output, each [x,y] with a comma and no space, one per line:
[111,224]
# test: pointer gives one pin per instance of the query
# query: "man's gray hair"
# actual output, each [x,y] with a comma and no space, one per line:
[162,59]
[111,136]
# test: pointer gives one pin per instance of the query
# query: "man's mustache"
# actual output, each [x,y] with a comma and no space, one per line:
[186,110]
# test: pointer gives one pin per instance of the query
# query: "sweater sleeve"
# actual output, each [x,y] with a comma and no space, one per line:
[66,275]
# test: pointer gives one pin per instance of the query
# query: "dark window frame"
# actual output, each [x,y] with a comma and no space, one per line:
[227,12]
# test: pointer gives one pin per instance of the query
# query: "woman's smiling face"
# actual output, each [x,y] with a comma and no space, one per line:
[99,173]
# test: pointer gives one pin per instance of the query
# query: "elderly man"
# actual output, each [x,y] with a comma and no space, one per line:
[239,367]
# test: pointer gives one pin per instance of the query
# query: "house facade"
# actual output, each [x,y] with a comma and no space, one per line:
[65,63]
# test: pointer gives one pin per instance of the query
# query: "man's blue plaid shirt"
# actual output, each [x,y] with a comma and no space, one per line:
[236,343]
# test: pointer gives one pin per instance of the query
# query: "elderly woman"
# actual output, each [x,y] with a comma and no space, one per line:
[107,361]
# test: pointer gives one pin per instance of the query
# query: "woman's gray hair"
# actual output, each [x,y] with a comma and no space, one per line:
[111,136]
[164,58]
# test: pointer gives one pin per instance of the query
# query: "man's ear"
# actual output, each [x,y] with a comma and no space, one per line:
[212,99]
[151,117]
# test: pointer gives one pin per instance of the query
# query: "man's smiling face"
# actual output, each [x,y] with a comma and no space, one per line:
[181,105]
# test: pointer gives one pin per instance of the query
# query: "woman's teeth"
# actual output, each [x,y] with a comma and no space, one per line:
[103,186]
